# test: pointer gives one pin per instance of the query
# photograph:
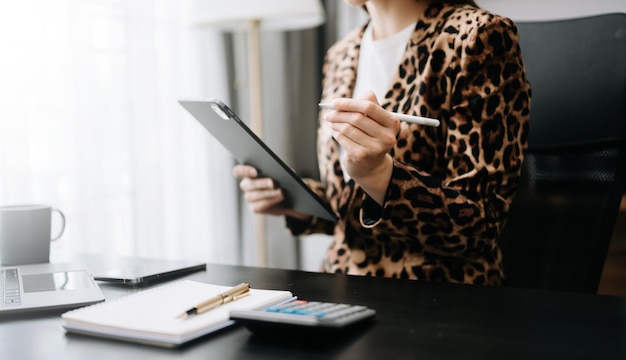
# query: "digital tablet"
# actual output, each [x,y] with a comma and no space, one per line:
[146,271]
[248,149]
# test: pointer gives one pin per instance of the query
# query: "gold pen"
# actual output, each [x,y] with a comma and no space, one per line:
[237,292]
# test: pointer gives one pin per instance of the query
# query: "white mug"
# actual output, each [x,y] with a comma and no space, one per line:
[25,233]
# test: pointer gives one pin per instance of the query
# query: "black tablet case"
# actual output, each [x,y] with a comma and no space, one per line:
[249,149]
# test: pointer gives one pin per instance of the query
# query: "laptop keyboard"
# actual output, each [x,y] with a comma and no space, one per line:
[9,287]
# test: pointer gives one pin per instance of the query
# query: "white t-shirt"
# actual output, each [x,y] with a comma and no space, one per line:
[378,62]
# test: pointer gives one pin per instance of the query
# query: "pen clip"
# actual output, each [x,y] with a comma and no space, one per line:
[239,296]
[232,294]
[235,291]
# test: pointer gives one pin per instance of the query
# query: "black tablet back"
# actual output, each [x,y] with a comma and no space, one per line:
[247,148]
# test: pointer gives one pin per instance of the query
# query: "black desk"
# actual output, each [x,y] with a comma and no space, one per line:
[415,320]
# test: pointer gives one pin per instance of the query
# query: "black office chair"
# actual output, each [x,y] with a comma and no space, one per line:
[562,218]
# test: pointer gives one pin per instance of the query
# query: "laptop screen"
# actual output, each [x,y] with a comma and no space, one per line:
[65,280]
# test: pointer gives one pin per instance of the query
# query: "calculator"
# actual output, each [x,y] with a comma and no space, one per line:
[303,314]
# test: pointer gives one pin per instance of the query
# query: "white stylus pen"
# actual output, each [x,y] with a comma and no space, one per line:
[408,118]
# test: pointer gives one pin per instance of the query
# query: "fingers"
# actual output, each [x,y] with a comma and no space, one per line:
[363,114]
[362,125]
[249,181]
[244,171]
[264,200]
[261,194]
[262,184]
[368,106]
[370,96]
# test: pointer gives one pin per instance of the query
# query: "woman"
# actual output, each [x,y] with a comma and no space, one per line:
[414,201]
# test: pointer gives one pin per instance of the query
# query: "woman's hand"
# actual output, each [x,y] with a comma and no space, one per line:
[367,133]
[262,194]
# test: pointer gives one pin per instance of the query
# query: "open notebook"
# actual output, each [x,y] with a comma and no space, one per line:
[151,316]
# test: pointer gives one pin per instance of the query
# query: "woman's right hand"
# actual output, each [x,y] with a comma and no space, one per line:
[262,194]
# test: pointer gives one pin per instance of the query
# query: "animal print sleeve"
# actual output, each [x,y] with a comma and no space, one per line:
[460,206]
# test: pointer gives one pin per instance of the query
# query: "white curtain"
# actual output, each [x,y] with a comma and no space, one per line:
[90,124]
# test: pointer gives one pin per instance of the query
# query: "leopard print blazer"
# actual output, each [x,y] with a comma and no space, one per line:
[451,186]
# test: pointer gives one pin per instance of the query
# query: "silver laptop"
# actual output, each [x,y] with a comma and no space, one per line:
[48,286]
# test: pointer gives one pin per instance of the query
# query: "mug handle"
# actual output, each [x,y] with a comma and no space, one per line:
[62,226]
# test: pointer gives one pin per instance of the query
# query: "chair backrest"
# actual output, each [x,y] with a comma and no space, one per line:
[562,218]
